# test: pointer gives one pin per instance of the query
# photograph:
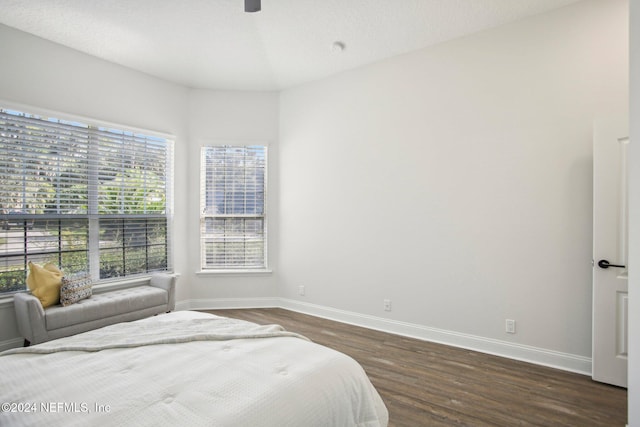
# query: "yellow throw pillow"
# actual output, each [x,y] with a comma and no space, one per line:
[52,267]
[44,283]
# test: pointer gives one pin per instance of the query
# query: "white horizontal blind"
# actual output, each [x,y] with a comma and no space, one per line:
[60,177]
[233,223]
[131,172]
[44,165]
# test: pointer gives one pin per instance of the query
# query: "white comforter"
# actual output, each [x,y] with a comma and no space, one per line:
[186,369]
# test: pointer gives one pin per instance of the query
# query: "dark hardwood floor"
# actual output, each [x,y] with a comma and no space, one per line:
[427,384]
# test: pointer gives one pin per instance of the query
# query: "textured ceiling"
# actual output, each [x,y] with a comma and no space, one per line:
[214,44]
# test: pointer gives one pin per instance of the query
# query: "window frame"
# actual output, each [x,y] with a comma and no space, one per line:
[265,268]
[92,217]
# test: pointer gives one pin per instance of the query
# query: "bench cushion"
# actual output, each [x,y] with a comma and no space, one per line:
[105,305]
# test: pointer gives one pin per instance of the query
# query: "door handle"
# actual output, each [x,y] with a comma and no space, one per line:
[603,263]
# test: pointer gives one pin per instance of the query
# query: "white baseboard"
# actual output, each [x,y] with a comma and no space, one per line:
[539,356]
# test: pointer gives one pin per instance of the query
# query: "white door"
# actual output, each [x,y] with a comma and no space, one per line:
[610,297]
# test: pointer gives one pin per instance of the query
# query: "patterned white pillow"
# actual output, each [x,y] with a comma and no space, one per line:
[75,287]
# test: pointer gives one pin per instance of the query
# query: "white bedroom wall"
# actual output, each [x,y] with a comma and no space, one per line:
[38,73]
[456,181]
[231,117]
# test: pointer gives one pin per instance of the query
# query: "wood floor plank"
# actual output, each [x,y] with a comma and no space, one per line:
[429,384]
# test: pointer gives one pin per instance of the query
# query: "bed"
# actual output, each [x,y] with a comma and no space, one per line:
[186,368]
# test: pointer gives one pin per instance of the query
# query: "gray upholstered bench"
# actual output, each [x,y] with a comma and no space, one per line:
[38,325]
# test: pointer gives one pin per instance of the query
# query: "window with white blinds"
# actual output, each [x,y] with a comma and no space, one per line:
[84,196]
[233,221]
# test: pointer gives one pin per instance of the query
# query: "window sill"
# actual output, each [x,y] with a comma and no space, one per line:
[265,272]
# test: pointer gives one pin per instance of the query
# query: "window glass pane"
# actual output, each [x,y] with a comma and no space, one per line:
[64,242]
[131,246]
[60,176]
[233,195]
[12,279]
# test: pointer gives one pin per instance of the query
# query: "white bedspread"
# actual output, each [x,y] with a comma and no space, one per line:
[186,368]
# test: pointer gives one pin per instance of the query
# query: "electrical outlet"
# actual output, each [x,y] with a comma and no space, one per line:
[301,290]
[387,305]
[510,326]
